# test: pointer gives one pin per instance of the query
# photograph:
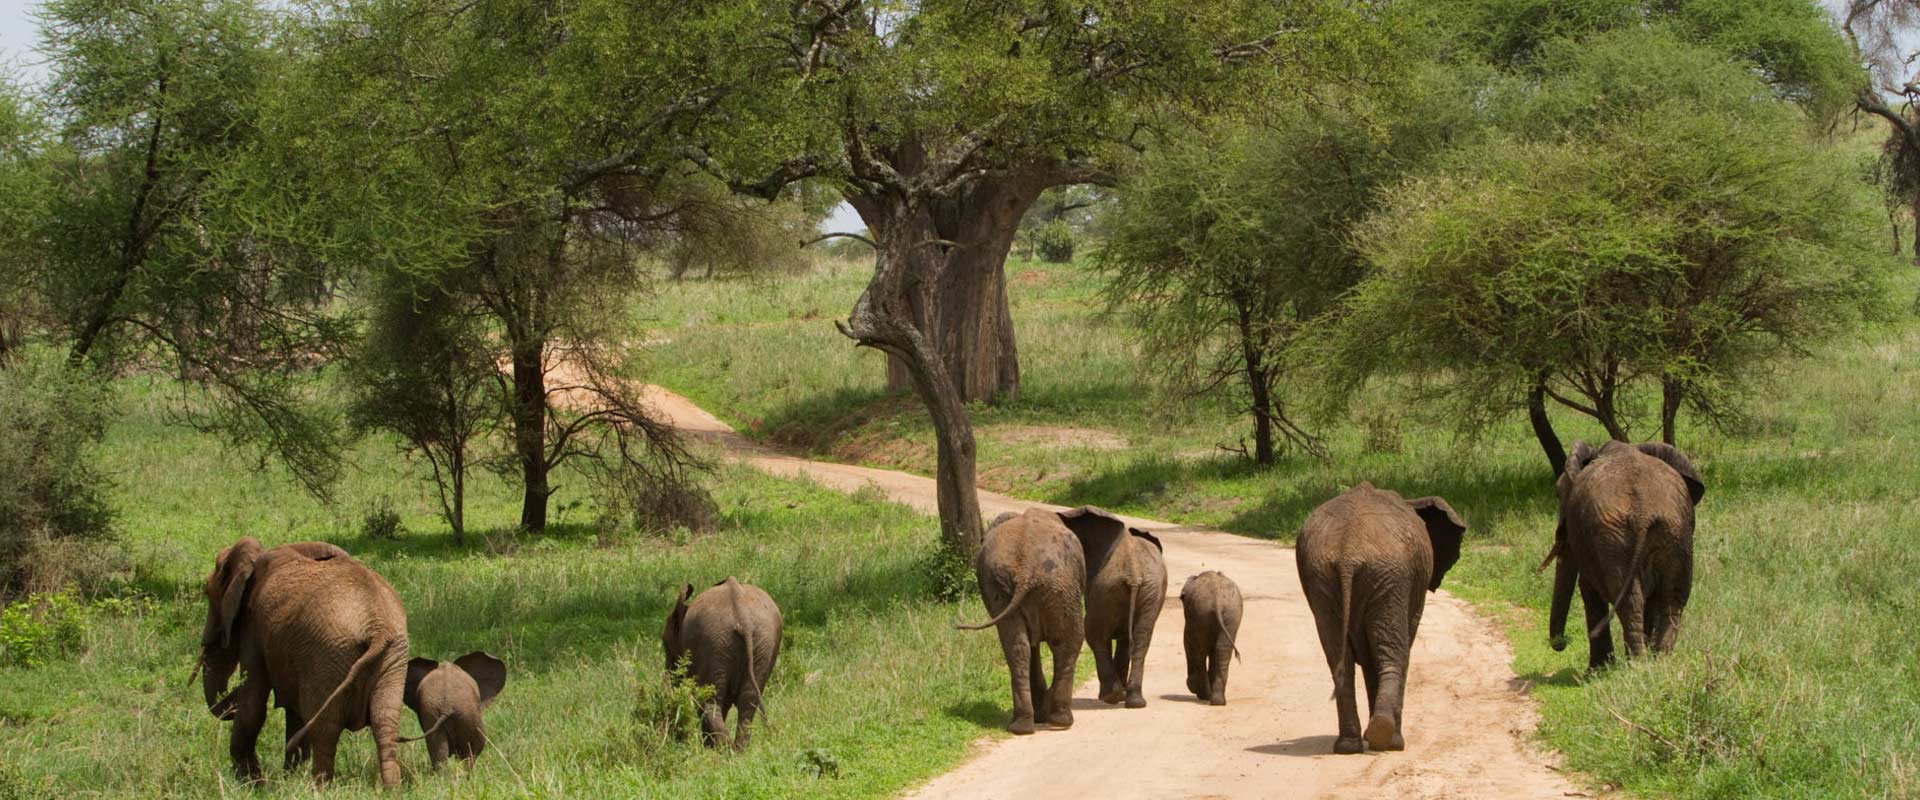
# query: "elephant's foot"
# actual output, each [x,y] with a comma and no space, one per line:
[1061,719]
[1020,727]
[1217,700]
[1135,699]
[1348,745]
[1383,735]
[1111,697]
[1198,686]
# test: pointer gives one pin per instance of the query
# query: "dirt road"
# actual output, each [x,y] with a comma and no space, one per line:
[1466,721]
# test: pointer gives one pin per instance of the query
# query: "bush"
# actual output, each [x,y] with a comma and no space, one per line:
[666,713]
[54,499]
[382,522]
[41,627]
[948,574]
[1055,242]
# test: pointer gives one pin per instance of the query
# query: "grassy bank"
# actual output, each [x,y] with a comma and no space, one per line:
[873,692]
[1795,675]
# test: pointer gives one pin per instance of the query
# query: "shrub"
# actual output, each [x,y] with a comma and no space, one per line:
[54,499]
[382,522]
[1055,242]
[41,627]
[948,574]
[667,713]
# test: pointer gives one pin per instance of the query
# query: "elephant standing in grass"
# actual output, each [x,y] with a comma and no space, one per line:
[449,699]
[1367,559]
[1212,604]
[1032,578]
[730,635]
[1126,585]
[1625,536]
[319,630]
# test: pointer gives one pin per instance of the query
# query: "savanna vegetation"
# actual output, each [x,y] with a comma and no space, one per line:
[390,274]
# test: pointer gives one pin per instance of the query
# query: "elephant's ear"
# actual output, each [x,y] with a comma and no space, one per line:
[227,590]
[1696,488]
[1096,529]
[489,672]
[417,671]
[670,636]
[1149,537]
[1444,529]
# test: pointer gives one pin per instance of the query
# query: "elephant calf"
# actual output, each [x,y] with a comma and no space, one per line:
[448,698]
[1367,559]
[1625,536]
[1032,575]
[1212,605]
[731,635]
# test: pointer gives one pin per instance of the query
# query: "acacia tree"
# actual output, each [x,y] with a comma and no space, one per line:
[943,121]
[486,151]
[1876,30]
[1687,234]
[154,244]
[22,190]
[1226,245]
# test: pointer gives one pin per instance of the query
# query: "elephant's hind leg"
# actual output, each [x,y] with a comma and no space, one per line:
[713,724]
[1017,648]
[1066,652]
[385,722]
[325,736]
[1197,668]
[1599,635]
[1217,672]
[1037,681]
[295,755]
[1137,641]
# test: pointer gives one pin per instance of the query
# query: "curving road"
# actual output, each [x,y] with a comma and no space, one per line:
[1468,718]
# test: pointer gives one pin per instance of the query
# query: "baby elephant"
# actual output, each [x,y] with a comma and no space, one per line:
[1212,604]
[449,698]
[731,636]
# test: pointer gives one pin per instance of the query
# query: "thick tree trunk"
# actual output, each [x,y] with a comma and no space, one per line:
[965,315]
[886,317]
[530,432]
[1543,427]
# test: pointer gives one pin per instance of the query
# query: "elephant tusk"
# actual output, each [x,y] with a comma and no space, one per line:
[198,664]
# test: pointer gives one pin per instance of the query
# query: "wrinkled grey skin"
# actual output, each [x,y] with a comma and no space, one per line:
[1625,536]
[325,635]
[1212,604]
[731,633]
[1032,577]
[1367,559]
[1126,585]
[449,698]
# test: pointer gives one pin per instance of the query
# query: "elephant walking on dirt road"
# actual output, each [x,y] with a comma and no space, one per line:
[1126,585]
[1367,559]
[1032,577]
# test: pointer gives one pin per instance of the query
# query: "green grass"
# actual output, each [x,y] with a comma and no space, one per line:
[1796,673]
[871,673]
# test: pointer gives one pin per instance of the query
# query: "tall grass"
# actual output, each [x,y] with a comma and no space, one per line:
[1796,673]
[871,675]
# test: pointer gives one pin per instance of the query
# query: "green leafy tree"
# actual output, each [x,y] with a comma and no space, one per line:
[23,190]
[1228,244]
[941,122]
[1684,236]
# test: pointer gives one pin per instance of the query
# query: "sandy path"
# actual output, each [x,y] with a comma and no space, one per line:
[1466,721]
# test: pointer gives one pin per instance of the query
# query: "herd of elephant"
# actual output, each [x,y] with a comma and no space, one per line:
[1366,558]
[327,637]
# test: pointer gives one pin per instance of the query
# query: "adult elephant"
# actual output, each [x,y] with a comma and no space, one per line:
[319,630]
[1367,559]
[1625,536]
[1032,578]
[1126,585]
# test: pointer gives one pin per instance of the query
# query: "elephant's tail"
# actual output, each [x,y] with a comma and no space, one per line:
[1635,560]
[354,674]
[428,732]
[1343,669]
[1222,622]
[1019,594]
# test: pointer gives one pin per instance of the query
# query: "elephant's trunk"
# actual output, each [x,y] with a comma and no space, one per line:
[1565,575]
[216,671]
